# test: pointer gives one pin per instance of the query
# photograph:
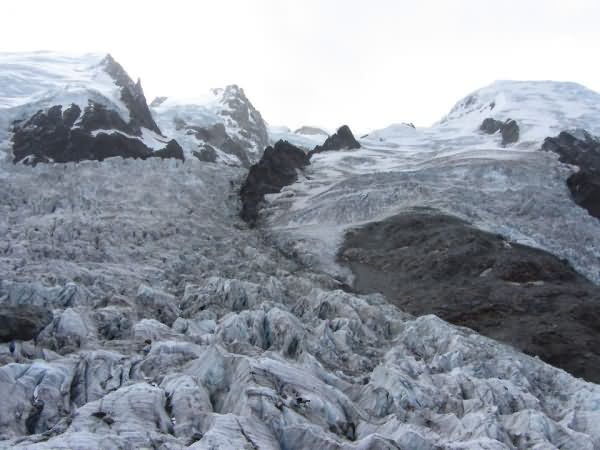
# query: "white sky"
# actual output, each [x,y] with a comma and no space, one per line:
[323,62]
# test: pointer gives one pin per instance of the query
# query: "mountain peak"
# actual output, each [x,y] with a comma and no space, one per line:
[65,107]
[222,125]
[542,108]
[132,94]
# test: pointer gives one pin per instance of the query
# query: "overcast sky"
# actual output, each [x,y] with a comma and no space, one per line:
[319,62]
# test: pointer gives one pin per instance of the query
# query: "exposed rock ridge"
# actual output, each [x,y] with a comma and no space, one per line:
[132,95]
[225,127]
[217,136]
[426,262]
[245,115]
[276,169]
[342,139]
[56,136]
[581,149]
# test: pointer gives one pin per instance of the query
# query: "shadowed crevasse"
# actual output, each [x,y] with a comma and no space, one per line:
[427,262]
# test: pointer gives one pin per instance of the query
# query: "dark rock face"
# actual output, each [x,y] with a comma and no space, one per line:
[342,139]
[70,115]
[216,136]
[491,126]
[132,95]
[585,189]
[276,169]
[22,322]
[238,128]
[510,132]
[508,129]
[580,149]
[51,135]
[172,150]
[248,118]
[206,153]
[98,117]
[426,262]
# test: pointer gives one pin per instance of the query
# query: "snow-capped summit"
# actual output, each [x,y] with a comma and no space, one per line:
[541,108]
[40,77]
[221,126]
[72,107]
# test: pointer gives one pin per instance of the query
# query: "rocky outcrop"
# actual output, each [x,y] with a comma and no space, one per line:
[115,122]
[22,322]
[217,136]
[224,128]
[56,136]
[585,189]
[508,129]
[429,263]
[581,149]
[491,126]
[206,153]
[132,95]
[243,113]
[510,132]
[172,150]
[342,139]
[276,169]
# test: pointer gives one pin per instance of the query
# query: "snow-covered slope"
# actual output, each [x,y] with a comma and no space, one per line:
[43,78]
[517,191]
[542,108]
[221,126]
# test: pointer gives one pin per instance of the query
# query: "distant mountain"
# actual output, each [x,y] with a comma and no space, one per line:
[372,211]
[63,108]
[541,108]
[223,126]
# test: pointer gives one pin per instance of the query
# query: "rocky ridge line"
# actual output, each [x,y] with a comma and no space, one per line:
[581,149]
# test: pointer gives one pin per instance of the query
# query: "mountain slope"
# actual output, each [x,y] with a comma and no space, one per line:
[69,108]
[541,108]
[517,192]
[223,126]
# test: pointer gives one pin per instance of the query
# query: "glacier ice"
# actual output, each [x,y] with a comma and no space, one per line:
[176,326]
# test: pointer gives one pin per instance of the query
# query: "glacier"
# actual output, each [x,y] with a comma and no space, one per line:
[176,325]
